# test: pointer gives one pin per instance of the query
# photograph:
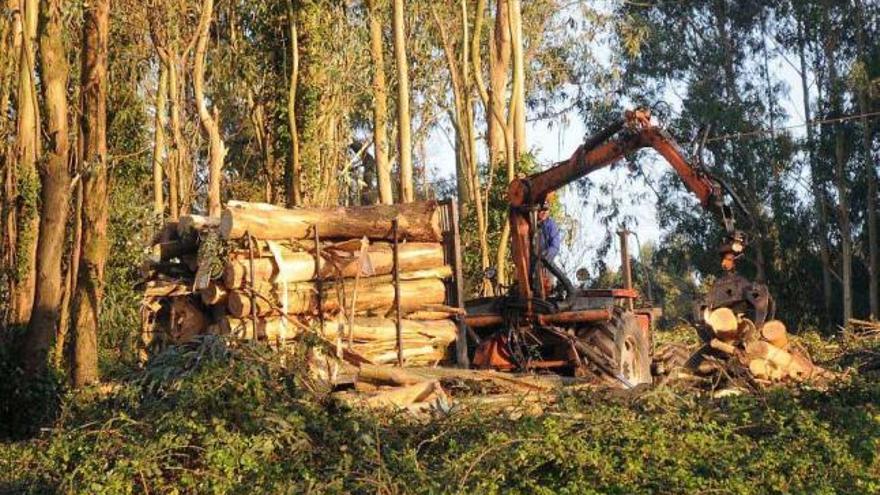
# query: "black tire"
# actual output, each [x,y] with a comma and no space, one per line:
[625,347]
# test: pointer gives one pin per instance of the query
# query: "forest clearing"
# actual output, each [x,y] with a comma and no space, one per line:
[388,246]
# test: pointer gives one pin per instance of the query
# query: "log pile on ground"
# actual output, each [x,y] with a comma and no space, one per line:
[765,354]
[261,272]
[421,389]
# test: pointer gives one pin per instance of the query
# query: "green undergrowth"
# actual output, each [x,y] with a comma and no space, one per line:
[211,419]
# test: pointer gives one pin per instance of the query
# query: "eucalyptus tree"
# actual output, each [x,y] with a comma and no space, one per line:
[55,189]
[711,55]
[90,286]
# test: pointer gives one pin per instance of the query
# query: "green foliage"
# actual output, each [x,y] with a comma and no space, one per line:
[28,202]
[26,404]
[207,418]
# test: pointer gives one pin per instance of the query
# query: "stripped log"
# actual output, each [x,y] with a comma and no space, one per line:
[159,288]
[187,225]
[363,330]
[387,375]
[419,221]
[722,346]
[303,298]
[403,396]
[300,266]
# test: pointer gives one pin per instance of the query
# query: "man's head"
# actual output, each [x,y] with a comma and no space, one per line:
[544,212]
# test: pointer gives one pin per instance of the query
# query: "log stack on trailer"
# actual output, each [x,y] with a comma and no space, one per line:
[374,282]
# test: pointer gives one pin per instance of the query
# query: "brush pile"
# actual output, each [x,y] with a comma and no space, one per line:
[763,354]
[262,272]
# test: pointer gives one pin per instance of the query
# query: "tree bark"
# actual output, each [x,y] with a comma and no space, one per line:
[835,89]
[90,286]
[418,222]
[27,184]
[815,181]
[516,121]
[294,173]
[518,103]
[263,136]
[70,278]
[380,106]
[870,174]
[404,128]
[159,143]
[11,43]
[210,123]
[55,191]
[499,64]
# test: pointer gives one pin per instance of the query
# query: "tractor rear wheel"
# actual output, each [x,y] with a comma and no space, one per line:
[624,347]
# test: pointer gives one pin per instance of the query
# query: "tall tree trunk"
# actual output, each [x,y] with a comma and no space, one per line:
[90,286]
[518,103]
[159,143]
[815,180]
[516,120]
[263,136]
[210,122]
[11,53]
[27,186]
[178,145]
[870,174]
[835,90]
[69,279]
[404,128]
[294,172]
[55,191]
[499,64]
[380,106]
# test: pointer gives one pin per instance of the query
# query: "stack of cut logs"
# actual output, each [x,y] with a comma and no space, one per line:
[766,352]
[261,272]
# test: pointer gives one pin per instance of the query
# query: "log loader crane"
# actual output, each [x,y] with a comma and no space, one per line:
[598,332]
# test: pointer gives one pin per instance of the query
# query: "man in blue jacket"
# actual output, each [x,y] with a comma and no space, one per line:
[550,240]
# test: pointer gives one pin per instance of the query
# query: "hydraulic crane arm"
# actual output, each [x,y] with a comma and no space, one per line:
[635,131]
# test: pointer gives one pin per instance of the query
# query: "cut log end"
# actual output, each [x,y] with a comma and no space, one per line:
[774,332]
[723,322]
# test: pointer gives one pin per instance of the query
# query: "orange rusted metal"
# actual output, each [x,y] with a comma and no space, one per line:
[481,321]
[574,317]
[588,315]
[493,354]
[599,151]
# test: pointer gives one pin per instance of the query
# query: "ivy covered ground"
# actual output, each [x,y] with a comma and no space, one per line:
[210,419]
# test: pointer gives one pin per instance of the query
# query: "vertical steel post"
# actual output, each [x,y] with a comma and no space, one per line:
[396,268]
[625,266]
[461,355]
[319,280]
